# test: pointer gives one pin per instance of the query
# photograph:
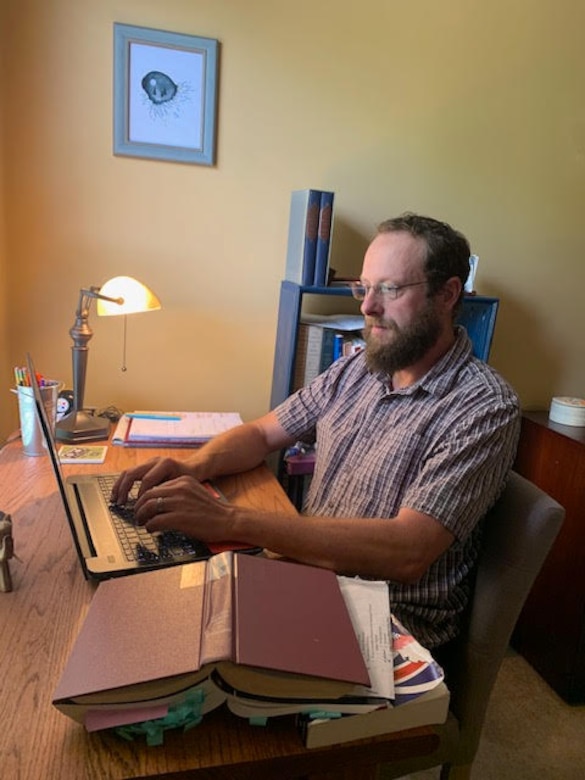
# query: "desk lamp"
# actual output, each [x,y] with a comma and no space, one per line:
[120,295]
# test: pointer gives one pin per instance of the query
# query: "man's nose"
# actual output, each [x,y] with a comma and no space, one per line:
[372,303]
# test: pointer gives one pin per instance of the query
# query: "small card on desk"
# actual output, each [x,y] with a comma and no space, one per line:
[82,453]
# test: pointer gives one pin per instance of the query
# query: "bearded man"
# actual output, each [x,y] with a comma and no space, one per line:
[415,440]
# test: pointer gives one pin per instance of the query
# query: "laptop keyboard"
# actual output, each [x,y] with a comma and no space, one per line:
[141,546]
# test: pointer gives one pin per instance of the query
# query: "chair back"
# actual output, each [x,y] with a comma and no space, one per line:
[518,533]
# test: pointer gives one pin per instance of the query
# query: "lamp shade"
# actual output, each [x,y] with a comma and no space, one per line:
[130,297]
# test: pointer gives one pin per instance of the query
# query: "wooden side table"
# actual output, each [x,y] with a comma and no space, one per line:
[550,632]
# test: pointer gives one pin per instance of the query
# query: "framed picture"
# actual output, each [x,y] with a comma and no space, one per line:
[165,95]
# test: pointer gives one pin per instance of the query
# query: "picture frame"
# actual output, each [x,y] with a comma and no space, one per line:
[165,95]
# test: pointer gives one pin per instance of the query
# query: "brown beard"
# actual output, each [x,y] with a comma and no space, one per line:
[408,346]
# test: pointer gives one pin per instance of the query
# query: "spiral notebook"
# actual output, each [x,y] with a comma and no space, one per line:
[172,429]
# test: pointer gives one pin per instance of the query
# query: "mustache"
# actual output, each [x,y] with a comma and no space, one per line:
[379,322]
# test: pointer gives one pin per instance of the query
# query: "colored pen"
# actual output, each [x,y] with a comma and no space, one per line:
[145,416]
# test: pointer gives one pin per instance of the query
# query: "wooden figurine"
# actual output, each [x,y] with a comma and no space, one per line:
[6,552]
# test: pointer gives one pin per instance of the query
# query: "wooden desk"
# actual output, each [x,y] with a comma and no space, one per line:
[40,618]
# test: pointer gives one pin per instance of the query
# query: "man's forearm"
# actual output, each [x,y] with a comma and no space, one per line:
[239,449]
[401,548]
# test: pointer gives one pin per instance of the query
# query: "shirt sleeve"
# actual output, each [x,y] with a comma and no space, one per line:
[463,475]
[300,412]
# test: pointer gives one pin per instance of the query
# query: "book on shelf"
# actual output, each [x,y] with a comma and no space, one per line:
[302,236]
[172,429]
[324,231]
[314,353]
[317,346]
[342,281]
[266,628]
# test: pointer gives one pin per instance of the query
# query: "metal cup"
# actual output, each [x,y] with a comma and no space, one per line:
[33,440]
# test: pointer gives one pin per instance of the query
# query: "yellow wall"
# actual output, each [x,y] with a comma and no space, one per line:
[7,402]
[465,110]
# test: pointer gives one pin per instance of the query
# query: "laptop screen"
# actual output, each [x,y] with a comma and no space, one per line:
[47,430]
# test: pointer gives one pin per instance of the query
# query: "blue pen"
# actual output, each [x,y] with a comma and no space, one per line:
[146,416]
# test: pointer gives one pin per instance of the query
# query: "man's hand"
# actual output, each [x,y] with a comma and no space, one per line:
[153,472]
[184,504]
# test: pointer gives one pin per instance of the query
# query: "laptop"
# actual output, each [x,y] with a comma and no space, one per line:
[107,542]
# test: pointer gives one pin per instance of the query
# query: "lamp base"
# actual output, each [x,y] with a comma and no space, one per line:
[79,426]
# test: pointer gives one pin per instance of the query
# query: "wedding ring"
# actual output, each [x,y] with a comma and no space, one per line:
[159,505]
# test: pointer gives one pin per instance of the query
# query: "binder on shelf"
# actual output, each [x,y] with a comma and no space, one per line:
[302,236]
[324,231]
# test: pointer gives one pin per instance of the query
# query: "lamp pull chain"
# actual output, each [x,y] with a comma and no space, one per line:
[124,368]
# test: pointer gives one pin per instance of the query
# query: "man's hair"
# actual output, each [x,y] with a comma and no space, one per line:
[448,250]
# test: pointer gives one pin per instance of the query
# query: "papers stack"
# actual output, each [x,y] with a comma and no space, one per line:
[172,429]
[266,637]
[568,411]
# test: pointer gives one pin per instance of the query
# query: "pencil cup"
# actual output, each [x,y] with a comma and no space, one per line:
[33,440]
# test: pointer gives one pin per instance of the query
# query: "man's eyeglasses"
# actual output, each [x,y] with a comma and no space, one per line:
[385,289]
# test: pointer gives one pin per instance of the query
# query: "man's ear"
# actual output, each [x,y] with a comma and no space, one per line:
[451,292]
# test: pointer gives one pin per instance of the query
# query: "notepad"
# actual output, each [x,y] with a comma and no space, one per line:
[172,429]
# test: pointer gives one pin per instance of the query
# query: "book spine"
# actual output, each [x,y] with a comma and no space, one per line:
[302,236]
[323,239]
[300,357]
[338,346]
[327,348]
[314,351]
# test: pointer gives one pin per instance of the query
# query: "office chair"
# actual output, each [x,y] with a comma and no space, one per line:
[518,534]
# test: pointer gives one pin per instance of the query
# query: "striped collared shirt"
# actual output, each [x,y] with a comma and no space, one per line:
[442,446]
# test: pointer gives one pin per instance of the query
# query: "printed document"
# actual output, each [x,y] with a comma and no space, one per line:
[368,604]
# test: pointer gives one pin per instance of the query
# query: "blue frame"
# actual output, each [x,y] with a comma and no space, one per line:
[478,316]
[165,95]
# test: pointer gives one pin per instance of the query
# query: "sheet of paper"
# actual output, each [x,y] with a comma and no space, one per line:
[368,605]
